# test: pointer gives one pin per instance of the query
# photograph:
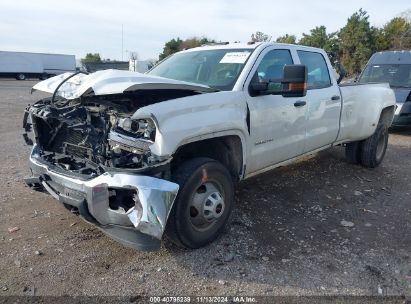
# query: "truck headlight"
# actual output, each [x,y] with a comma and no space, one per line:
[140,128]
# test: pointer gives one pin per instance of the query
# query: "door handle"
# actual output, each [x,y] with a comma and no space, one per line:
[299,103]
[335,97]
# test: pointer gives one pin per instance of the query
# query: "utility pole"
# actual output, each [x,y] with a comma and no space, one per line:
[122,43]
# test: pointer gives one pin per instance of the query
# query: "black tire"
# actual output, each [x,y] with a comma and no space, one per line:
[198,177]
[353,152]
[21,76]
[374,147]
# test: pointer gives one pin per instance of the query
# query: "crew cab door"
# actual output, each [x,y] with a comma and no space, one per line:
[277,124]
[323,101]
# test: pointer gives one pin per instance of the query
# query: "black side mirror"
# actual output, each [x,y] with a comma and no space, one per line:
[341,71]
[294,80]
[293,83]
[259,86]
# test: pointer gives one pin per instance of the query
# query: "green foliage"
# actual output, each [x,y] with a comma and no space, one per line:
[357,42]
[260,37]
[395,35]
[317,38]
[91,58]
[352,45]
[176,45]
[290,39]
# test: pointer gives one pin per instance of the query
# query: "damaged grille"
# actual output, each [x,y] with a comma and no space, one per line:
[92,135]
[77,151]
[66,137]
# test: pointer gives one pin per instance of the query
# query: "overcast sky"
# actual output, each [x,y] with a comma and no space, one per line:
[78,27]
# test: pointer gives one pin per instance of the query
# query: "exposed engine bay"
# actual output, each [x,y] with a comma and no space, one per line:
[94,134]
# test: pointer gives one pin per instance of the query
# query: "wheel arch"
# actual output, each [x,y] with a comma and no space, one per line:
[387,116]
[227,148]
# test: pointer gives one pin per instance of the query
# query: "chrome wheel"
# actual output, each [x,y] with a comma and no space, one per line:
[207,206]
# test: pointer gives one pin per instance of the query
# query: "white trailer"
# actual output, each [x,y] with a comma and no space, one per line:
[22,65]
[140,66]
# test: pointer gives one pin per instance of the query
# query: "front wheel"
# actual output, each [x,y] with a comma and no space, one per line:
[374,147]
[203,204]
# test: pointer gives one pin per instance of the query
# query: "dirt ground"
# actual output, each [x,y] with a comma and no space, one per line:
[285,236]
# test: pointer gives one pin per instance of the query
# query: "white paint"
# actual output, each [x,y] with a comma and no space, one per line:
[287,133]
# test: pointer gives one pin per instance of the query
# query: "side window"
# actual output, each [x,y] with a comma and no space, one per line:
[318,75]
[272,64]
[271,68]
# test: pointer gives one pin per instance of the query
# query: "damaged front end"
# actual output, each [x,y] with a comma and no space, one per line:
[89,154]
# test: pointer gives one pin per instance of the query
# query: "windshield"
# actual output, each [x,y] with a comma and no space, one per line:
[218,69]
[397,75]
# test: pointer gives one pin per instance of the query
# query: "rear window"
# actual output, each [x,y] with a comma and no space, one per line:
[318,75]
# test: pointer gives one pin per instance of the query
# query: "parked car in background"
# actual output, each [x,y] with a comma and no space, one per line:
[393,67]
[22,65]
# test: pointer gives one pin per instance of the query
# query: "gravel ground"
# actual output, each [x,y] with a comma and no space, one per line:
[317,227]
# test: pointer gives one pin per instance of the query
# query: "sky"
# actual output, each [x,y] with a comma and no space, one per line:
[79,27]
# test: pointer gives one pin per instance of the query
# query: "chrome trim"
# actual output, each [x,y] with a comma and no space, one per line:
[149,215]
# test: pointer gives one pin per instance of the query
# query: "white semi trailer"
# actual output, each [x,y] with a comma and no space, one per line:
[23,65]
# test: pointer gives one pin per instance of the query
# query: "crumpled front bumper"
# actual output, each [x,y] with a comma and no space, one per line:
[141,226]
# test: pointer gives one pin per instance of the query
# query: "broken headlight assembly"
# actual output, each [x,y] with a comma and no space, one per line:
[130,140]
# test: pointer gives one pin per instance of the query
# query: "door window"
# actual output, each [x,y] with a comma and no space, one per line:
[271,68]
[318,75]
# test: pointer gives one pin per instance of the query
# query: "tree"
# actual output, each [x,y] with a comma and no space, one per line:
[260,37]
[357,42]
[395,35]
[176,45]
[151,63]
[319,38]
[91,58]
[290,39]
[171,47]
[133,56]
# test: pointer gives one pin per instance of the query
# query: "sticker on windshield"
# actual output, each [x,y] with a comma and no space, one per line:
[235,57]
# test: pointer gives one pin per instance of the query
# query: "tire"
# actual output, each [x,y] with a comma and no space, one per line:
[353,152]
[21,76]
[374,147]
[203,204]
[43,77]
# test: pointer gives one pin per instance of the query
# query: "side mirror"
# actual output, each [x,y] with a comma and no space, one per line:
[341,71]
[259,86]
[294,80]
[293,83]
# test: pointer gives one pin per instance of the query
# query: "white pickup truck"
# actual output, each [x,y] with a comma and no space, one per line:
[142,154]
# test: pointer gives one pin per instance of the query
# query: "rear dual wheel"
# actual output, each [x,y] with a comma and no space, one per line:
[374,147]
[371,151]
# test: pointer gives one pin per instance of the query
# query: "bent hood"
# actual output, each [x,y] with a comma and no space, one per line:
[112,82]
